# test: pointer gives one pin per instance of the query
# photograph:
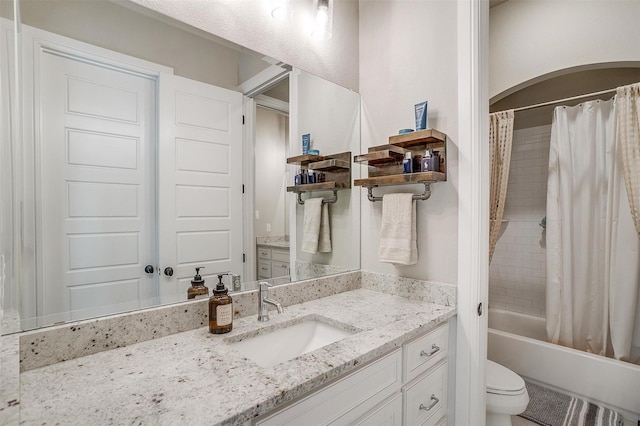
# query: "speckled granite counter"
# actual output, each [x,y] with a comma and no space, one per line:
[196,378]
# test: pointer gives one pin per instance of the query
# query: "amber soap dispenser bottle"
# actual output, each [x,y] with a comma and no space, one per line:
[220,310]
[197,290]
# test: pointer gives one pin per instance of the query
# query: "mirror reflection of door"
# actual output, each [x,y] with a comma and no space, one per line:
[107,243]
[96,170]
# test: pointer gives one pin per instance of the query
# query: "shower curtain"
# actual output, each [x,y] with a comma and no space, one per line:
[500,141]
[592,249]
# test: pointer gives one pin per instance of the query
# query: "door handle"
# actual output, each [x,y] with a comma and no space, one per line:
[168,271]
[148,269]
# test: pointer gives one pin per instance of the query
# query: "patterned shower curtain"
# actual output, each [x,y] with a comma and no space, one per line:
[500,139]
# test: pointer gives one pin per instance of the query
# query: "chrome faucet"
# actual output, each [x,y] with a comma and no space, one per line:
[264,301]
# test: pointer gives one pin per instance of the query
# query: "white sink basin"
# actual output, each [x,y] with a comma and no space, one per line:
[283,344]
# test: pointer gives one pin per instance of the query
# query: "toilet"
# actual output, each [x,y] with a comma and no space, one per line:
[506,395]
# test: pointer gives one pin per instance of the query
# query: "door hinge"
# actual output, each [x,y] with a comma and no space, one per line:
[243,188]
[244,258]
[480,309]
[242,119]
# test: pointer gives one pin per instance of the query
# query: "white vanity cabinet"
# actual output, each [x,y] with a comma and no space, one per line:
[405,387]
[272,262]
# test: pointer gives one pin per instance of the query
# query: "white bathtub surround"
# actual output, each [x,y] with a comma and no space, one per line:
[593,253]
[429,291]
[604,381]
[59,343]
[195,377]
[518,267]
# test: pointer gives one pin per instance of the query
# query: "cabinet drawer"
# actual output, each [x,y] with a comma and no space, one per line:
[425,400]
[264,253]
[279,269]
[280,255]
[389,414]
[425,352]
[264,269]
[347,399]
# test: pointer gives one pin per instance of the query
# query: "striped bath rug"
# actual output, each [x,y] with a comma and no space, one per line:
[550,408]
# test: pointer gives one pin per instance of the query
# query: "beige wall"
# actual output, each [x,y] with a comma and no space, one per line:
[530,39]
[249,23]
[108,25]
[407,56]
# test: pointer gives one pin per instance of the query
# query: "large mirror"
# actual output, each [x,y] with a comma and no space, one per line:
[147,148]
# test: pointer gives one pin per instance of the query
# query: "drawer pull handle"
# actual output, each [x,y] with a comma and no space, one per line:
[433,404]
[434,348]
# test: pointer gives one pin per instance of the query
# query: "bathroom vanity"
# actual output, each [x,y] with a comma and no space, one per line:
[393,364]
[273,259]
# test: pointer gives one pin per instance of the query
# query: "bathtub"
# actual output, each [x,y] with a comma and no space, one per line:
[517,342]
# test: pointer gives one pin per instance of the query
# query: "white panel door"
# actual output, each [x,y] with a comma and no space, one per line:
[200,175]
[95,189]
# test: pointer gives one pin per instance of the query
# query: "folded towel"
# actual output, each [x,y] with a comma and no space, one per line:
[316,233]
[398,232]
[324,240]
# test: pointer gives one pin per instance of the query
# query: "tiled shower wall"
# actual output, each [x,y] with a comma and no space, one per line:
[517,271]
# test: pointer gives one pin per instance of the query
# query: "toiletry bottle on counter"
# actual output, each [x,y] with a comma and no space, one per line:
[197,289]
[220,310]
[407,163]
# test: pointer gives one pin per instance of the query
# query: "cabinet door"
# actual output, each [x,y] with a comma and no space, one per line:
[425,352]
[388,414]
[264,253]
[279,269]
[346,400]
[264,269]
[425,400]
[280,255]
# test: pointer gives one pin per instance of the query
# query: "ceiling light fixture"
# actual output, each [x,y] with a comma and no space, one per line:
[322,19]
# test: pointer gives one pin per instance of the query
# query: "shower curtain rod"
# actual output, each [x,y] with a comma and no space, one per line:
[559,101]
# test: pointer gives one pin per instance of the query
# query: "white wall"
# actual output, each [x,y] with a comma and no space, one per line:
[249,23]
[518,269]
[272,131]
[330,113]
[532,38]
[408,54]
[109,25]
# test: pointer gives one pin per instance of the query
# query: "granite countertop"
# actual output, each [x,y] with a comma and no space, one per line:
[275,244]
[195,377]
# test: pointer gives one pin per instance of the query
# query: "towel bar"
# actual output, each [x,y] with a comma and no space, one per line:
[419,197]
[324,200]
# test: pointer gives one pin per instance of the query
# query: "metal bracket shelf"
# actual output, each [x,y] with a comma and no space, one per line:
[418,197]
[324,200]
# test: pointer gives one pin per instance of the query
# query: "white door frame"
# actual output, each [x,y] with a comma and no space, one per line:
[254,87]
[473,211]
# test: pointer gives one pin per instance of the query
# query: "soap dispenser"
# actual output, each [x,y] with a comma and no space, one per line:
[220,309]
[197,290]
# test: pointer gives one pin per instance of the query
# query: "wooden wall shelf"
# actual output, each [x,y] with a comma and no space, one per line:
[337,170]
[322,186]
[385,162]
[402,179]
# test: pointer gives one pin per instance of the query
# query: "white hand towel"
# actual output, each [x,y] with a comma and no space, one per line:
[324,240]
[398,232]
[311,225]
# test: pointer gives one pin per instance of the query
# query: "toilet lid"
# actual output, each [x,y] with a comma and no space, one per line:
[501,380]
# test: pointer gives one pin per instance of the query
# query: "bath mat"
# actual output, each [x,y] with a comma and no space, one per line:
[550,408]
